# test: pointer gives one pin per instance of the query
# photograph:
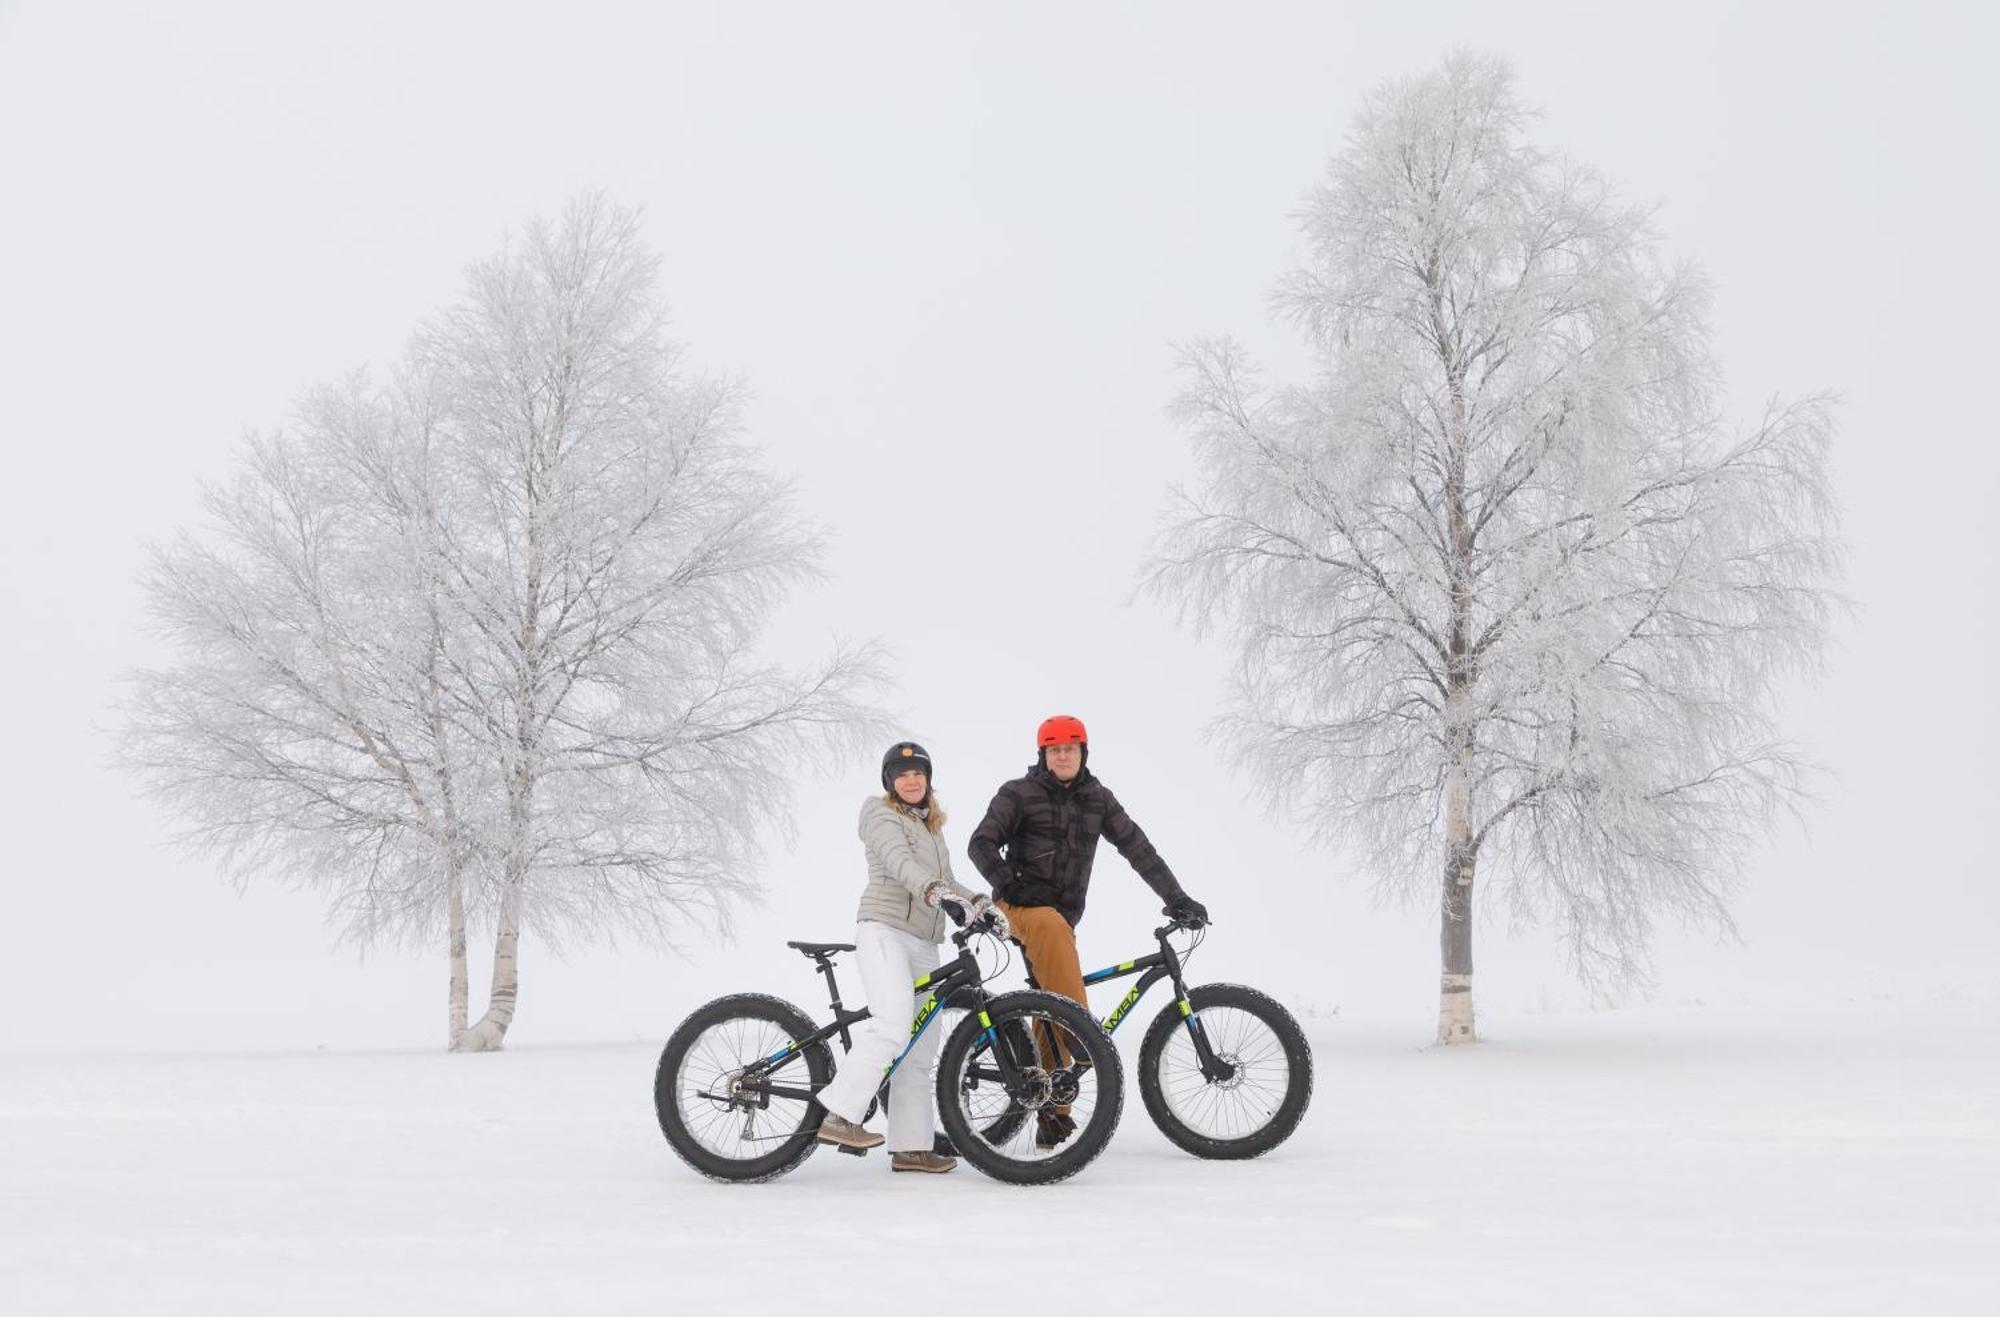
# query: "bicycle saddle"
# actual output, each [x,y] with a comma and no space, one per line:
[818,949]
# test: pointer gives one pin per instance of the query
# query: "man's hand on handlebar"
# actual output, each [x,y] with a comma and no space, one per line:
[1186,911]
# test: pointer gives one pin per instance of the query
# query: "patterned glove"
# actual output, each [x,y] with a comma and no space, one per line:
[963,912]
[983,908]
[948,901]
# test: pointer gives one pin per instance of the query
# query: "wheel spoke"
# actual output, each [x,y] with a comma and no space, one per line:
[1249,1099]
[1057,1071]
[724,1129]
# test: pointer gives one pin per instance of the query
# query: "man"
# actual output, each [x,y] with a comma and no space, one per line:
[1035,848]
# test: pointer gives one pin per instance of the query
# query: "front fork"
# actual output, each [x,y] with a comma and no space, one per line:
[1214,1068]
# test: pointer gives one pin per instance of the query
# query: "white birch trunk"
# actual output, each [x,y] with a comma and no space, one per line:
[1455,1022]
[460,1005]
[491,1031]
[1455,915]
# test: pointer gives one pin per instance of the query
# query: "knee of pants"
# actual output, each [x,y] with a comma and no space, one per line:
[1045,928]
[888,1035]
[1051,948]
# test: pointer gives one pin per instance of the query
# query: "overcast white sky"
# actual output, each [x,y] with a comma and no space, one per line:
[950,247]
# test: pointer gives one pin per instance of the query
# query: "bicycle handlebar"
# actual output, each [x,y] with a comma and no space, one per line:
[983,924]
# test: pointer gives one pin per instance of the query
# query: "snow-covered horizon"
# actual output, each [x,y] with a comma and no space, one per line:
[1844,1159]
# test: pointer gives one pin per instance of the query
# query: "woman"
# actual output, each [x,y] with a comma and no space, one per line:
[896,942]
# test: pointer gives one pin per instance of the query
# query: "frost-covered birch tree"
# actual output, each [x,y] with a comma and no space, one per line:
[307,732]
[478,648]
[1511,592]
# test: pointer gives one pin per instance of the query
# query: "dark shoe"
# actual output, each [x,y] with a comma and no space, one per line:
[842,1133]
[1052,1129]
[928,1162]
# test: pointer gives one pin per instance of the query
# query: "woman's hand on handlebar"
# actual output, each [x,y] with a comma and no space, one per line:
[979,914]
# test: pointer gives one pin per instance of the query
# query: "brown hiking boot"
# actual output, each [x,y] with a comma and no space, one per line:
[928,1162]
[842,1133]
[1052,1129]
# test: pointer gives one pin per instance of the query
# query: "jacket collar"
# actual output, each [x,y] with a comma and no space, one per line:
[1039,773]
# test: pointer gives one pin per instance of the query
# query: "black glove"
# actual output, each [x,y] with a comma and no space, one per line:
[1184,909]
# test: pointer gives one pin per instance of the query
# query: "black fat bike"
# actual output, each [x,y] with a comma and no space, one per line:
[735,1087]
[1224,1070]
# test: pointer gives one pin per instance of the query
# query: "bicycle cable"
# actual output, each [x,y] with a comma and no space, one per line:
[1003,958]
[1196,936]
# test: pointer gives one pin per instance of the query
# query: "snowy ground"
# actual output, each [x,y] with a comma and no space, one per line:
[1675,1161]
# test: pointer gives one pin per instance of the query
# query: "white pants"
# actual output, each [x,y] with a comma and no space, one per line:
[890,960]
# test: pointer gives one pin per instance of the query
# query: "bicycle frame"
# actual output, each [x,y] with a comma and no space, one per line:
[1162,964]
[961,973]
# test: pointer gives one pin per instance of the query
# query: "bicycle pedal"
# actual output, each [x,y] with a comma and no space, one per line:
[852,1152]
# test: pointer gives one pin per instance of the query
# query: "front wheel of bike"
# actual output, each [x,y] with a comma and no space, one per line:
[724,1112]
[1029,1091]
[1260,1097]
[1001,1127]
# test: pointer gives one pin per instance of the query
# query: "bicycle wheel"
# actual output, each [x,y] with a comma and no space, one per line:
[1263,1098]
[719,1126]
[1061,1061]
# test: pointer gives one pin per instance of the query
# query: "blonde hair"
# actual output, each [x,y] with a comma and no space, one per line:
[934,820]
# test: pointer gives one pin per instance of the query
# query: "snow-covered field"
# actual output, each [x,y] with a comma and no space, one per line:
[1689,1160]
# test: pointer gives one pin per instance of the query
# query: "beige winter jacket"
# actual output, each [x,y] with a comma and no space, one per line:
[904,858]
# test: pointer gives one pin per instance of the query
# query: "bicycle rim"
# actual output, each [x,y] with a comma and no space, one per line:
[738,1130]
[1070,1071]
[1241,1106]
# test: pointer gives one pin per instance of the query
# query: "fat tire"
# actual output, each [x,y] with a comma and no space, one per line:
[994,1131]
[1291,1040]
[749,1007]
[976,1139]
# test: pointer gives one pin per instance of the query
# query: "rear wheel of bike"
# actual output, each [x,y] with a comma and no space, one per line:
[718,1111]
[1257,1104]
[1061,1064]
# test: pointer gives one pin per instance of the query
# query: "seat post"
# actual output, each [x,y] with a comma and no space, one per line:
[833,999]
[832,987]
[821,954]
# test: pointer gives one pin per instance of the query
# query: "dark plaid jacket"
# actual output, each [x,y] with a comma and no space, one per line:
[1038,838]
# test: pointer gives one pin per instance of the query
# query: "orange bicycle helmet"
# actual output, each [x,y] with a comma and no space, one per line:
[1061,730]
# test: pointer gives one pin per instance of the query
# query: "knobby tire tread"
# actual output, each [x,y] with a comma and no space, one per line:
[1298,1059]
[819,1067]
[1089,1140]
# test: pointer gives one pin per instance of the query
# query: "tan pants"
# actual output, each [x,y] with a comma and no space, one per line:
[1051,946]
